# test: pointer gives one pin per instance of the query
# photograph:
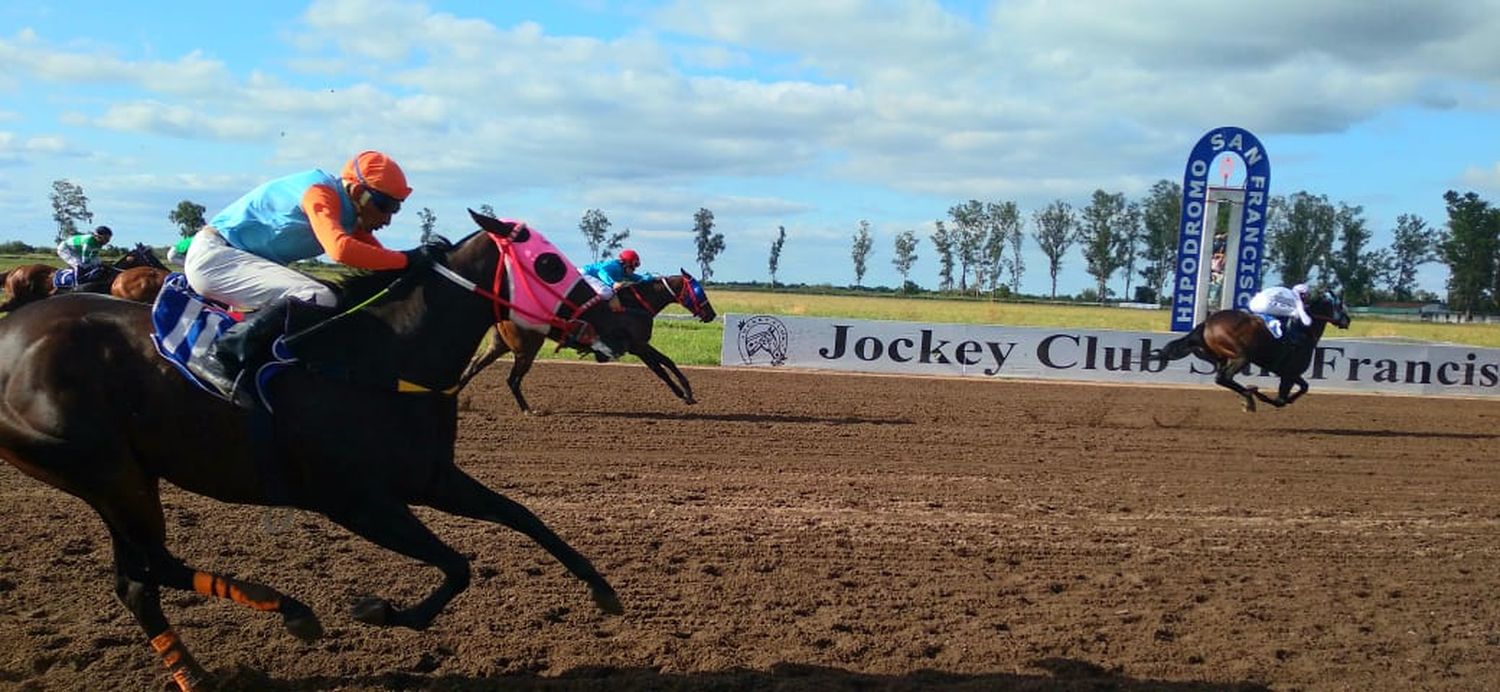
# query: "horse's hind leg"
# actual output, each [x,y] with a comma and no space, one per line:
[456,492]
[391,525]
[132,511]
[525,347]
[1225,378]
[496,348]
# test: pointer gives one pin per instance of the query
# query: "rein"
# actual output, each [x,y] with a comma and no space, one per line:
[685,297]
[497,303]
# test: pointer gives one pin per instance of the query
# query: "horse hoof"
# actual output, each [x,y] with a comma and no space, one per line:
[373,611]
[690,401]
[607,600]
[305,627]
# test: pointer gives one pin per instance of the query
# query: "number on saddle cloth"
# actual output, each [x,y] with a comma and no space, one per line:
[65,279]
[1273,323]
[185,325]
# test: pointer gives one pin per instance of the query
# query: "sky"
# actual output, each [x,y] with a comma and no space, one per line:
[811,116]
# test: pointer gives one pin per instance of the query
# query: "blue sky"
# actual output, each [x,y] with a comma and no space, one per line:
[811,116]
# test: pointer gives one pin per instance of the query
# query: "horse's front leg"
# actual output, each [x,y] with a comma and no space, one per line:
[1288,396]
[660,364]
[654,359]
[389,524]
[456,492]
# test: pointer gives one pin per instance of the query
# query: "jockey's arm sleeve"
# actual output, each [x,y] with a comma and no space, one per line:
[1302,314]
[354,249]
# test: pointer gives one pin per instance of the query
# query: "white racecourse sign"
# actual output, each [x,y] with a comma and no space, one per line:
[1088,355]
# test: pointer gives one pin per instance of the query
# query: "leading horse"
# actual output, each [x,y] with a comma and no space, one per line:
[641,301]
[1232,339]
[364,430]
[29,283]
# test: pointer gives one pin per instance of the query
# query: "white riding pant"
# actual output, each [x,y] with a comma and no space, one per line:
[70,255]
[220,271]
[605,291]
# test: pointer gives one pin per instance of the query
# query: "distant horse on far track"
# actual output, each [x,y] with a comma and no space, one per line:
[642,301]
[1231,339]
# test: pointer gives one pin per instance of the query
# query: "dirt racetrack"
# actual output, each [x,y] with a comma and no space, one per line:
[803,531]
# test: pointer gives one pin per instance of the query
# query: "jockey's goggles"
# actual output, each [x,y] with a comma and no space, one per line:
[381,200]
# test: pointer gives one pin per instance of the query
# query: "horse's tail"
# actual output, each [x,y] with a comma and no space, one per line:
[1178,348]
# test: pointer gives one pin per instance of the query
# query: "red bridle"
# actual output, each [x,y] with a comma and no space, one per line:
[527,279]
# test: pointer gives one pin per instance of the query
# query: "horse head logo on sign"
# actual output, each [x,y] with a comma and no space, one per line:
[1244,247]
[762,338]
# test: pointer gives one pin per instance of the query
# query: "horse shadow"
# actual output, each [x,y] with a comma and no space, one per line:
[1417,434]
[1066,675]
[741,417]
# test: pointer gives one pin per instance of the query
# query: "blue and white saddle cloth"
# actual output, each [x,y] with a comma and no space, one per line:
[185,327]
[1273,323]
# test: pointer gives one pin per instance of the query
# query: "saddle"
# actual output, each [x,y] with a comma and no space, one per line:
[186,326]
[71,279]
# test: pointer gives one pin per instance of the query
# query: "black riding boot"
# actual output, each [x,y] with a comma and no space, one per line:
[246,346]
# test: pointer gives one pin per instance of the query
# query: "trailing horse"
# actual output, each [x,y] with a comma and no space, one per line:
[642,301]
[1232,339]
[359,434]
[29,283]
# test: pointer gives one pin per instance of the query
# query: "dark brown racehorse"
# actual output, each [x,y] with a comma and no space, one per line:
[32,282]
[642,302]
[361,432]
[1232,339]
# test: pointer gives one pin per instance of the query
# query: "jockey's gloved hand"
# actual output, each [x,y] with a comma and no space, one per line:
[424,256]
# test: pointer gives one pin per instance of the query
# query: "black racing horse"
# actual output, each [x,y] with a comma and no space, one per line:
[29,283]
[362,432]
[1232,339]
[642,301]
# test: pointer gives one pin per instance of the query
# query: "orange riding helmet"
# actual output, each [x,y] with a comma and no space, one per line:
[382,176]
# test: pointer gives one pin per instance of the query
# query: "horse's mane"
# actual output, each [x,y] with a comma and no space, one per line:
[360,286]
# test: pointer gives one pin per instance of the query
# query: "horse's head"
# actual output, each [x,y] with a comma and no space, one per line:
[541,275]
[139,256]
[689,294]
[1329,307]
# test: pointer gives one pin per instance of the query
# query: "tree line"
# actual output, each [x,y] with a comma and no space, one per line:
[979,247]
[70,206]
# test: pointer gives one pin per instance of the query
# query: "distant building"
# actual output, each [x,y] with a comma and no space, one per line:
[1417,311]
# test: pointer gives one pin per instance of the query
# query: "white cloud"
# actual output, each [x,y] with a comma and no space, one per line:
[149,117]
[1487,179]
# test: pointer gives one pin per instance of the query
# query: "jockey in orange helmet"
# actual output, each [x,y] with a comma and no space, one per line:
[240,257]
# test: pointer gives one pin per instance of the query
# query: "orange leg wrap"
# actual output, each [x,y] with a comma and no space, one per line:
[257,597]
[185,671]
